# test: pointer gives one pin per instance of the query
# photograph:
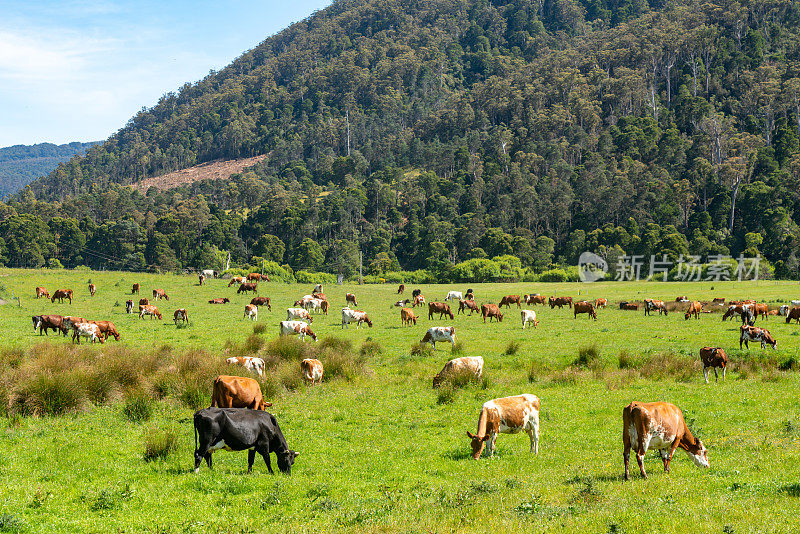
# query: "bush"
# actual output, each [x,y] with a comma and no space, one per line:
[138,406]
[410,277]
[588,357]
[422,349]
[476,270]
[158,444]
[48,395]
[512,348]
[259,328]
[53,263]
[446,394]
[370,349]
[305,277]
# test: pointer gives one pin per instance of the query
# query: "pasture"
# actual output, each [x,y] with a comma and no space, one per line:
[380,449]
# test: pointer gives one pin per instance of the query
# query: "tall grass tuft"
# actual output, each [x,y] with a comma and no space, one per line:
[457,348]
[159,443]
[446,394]
[370,349]
[512,348]
[259,328]
[588,357]
[48,395]
[138,407]
[424,350]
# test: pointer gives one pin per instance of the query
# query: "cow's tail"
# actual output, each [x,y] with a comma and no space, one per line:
[195,437]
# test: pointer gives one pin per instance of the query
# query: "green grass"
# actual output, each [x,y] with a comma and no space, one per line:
[380,449]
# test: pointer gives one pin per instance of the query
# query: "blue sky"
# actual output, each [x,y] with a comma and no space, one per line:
[78,70]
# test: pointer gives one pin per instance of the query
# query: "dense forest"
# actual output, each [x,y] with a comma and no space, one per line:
[440,135]
[21,164]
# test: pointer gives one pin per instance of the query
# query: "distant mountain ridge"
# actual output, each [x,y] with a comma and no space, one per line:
[21,164]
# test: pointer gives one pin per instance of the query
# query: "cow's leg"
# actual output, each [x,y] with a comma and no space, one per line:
[671,453]
[716,376]
[251,457]
[491,443]
[705,373]
[263,450]
[723,372]
[640,459]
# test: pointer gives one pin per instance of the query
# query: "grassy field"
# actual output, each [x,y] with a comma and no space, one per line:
[380,449]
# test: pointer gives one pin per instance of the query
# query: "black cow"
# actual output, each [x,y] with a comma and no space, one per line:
[237,429]
[416,292]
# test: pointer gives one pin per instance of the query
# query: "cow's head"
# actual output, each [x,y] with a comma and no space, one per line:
[36,320]
[500,317]
[687,315]
[310,333]
[369,323]
[286,460]
[699,454]
[478,444]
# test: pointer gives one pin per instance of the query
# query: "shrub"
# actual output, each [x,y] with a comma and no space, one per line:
[512,348]
[158,444]
[138,406]
[422,349]
[457,348]
[285,348]
[370,349]
[54,263]
[446,394]
[343,364]
[554,275]
[588,357]
[48,395]
[305,277]
[259,328]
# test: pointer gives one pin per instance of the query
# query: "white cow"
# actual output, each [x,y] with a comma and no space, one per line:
[454,295]
[466,365]
[507,415]
[251,363]
[297,328]
[88,330]
[795,303]
[354,316]
[251,311]
[295,314]
[209,273]
[439,333]
[529,316]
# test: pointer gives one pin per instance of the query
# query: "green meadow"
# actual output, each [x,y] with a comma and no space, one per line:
[99,438]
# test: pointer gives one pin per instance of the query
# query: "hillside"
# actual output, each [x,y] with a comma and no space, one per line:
[462,129]
[21,164]
[212,170]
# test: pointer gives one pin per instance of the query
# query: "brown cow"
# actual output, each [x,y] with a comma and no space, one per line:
[490,311]
[180,315]
[261,301]
[695,308]
[600,303]
[560,302]
[150,310]
[442,308]
[42,292]
[463,305]
[658,425]
[713,357]
[535,299]
[754,333]
[407,317]
[107,328]
[507,415]
[49,322]
[419,300]
[202,279]
[650,305]
[92,289]
[247,286]
[219,300]
[761,309]
[257,277]
[144,301]
[471,366]
[718,300]
[311,370]
[585,307]
[236,280]
[401,289]
[350,299]
[625,305]
[508,300]
[237,392]
[681,299]
[135,289]
[794,313]
[62,294]
[159,294]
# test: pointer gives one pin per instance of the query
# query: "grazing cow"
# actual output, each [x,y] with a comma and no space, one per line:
[793,314]
[236,280]
[255,276]
[454,295]
[419,300]
[508,300]
[107,328]
[42,292]
[135,289]
[144,302]
[218,300]
[159,294]
[658,425]
[62,294]
[354,316]
[491,311]
[318,304]
[237,392]
[783,311]
[325,307]
[202,279]
[507,415]
[401,289]
[297,328]
[469,295]
[535,299]
[71,322]
[253,364]
[651,305]
[600,303]
[529,316]
[442,308]
[128,306]
[236,430]
[681,299]
[718,300]
[92,289]
[713,357]
[349,298]
[760,310]
[416,292]
[439,333]
[754,333]
[695,308]
[150,310]
[296,314]
[318,289]
[209,273]
[311,370]
[247,286]
[180,315]
[407,317]
[49,322]
[88,330]
[401,303]
[560,302]
[585,307]
[468,365]
[463,305]
[251,312]
[261,301]
[744,310]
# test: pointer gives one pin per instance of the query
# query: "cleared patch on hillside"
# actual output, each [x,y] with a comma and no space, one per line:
[212,170]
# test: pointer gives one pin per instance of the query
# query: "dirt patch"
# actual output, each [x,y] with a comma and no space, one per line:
[212,170]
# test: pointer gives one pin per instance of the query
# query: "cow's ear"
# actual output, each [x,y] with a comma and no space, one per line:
[486,437]
[294,454]
[470,435]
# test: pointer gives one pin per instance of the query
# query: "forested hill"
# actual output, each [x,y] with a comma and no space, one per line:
[427,133]
[21,164]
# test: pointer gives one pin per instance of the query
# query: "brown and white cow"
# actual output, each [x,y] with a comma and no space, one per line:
[407,317]
[535,299]
[718,300]
[401,289]
[49,322]
[128,306]
[630,306]
[150,310]
[354,316]
[62,294]
[507,415]
[311,370]
[180,315]
[584,307]
[92,289]
[261,301]
[471,366]
[135,289]
[508,300]
[159,294]
[419,300]
[237,392]
[349,298]
[754,333]
[318,289]
[470,305]
[491,311]
[296,314]
[442,308]
[254,364]
[401,303]
[793,314]
[297,328]
[660,426]
[651,305]
[695,308]
[202,279]
[218,300]
[107,328]
[144,301]
[713,357]
[439,333]
[560,302]
[529,316]
[248,286]
[88,330]
[600,303]
[236,280]
[42,292]
[251,312]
